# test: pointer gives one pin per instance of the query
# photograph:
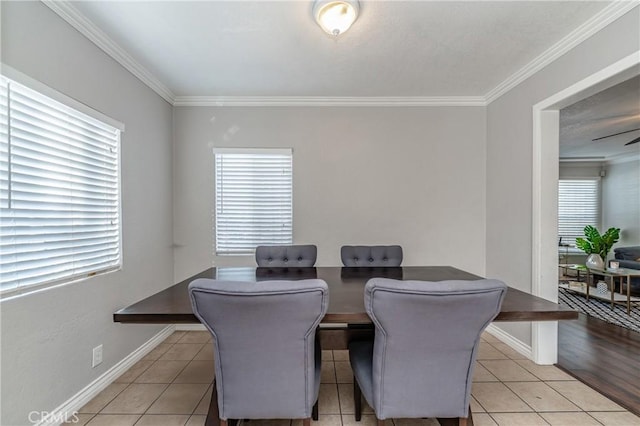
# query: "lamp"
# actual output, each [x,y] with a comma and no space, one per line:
[335,16]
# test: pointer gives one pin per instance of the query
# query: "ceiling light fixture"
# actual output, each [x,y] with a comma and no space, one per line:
[335,16]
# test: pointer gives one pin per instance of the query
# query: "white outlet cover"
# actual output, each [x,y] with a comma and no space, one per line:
[97,356]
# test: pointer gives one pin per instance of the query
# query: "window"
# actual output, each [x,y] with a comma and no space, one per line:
[578,206]
[254,203]
[60,195]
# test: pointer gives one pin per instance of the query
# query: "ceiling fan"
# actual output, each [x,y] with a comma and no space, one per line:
[636,140]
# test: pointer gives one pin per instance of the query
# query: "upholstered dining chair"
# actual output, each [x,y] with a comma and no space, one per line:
[427,334]
[294,256]
[369,256]
[267,361]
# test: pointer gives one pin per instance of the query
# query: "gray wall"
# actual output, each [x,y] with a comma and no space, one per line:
[510,158]
[452,185]
[368,175]
[621,201]
[47,337]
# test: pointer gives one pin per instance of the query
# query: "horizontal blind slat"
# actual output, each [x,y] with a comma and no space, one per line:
[578,206]
[60,169]
[254,201]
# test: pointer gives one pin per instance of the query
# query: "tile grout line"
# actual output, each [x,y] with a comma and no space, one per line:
[334,362]
[335,377]
[164,390]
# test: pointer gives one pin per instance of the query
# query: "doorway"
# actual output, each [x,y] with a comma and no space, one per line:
[545,191]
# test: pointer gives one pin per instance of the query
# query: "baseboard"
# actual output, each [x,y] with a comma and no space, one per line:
[189,327]
[512,342]
[73,404]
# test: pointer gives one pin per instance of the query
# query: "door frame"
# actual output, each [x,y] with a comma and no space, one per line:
[544,262]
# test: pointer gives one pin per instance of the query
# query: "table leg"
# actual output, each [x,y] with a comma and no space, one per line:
[588,282]
[628,294]
[613,290]
[621,279]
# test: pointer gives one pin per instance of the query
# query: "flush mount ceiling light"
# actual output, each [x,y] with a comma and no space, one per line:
[335,16]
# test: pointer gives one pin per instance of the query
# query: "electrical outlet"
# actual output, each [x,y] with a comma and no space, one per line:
[97,356]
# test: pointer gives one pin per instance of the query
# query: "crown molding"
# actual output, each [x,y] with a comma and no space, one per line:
[77,20]
[417,101]
[606,16]
[623,158]
[592,160]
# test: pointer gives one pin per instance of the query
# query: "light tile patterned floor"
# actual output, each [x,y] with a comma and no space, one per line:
[172,386]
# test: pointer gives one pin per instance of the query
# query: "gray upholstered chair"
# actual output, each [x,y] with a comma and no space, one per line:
[267,361]
[300,256]
[426,340]
[371,255]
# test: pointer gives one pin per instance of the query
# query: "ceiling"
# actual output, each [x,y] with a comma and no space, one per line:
[409,52]
[395,48]
[613,110]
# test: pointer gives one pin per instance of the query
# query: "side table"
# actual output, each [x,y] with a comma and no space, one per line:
[573,267]
[611,275]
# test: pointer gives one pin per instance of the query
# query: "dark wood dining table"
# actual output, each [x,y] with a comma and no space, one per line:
[346,304]
[346,294]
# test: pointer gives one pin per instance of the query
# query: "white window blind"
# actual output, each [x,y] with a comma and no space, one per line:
[254,199]
[59,197]
[578,206]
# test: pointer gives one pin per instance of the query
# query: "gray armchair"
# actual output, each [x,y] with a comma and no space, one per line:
[300,256]
[629,257]
[267,362]
[371,255]
[426,340]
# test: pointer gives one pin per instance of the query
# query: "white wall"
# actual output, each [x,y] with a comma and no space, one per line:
[510,155]
[621,201]
[368,175]
[582,169]
[47,337]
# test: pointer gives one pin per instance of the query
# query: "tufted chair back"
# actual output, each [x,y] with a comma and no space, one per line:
[267,364]
[426,342]
[371,255]
[300,256]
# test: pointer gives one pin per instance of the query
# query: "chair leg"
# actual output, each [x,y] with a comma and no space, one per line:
[306,422]
[357,399]
[314,411]
[213,415]
[459,421]
[466,421]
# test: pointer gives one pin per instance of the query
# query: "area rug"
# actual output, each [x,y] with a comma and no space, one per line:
[601,310]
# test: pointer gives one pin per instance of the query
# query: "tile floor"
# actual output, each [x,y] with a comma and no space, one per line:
[172,386]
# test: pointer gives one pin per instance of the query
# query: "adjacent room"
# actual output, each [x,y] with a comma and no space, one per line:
[599,186]
[356,212]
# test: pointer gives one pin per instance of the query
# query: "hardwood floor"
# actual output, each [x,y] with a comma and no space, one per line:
[604,356]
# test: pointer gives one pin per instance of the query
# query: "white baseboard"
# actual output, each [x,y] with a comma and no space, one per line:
[73,404]
[512,342]
[189,327]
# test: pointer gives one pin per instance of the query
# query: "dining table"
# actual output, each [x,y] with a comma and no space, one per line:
[346,318]
[346,293]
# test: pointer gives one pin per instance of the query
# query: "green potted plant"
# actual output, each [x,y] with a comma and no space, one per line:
[597,246]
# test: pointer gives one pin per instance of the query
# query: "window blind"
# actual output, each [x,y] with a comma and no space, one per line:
[254,199]
[59,197]
[578,206]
